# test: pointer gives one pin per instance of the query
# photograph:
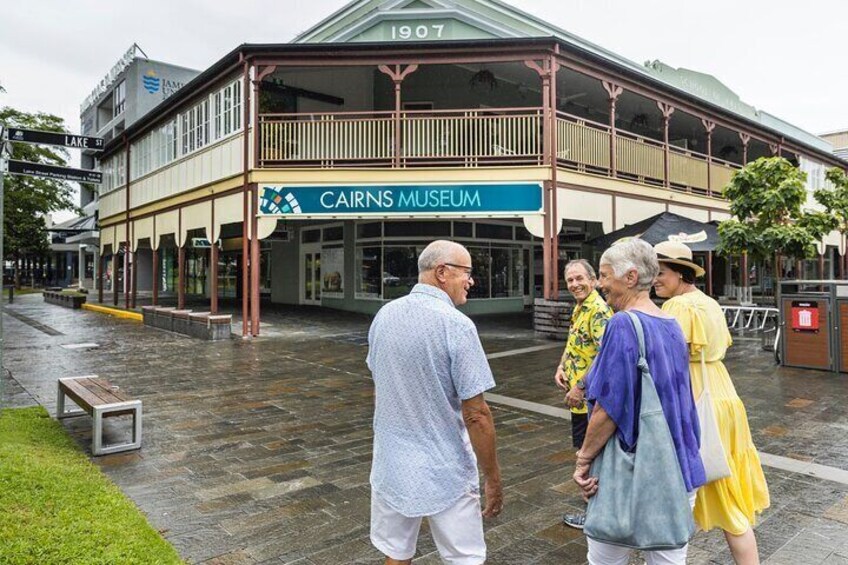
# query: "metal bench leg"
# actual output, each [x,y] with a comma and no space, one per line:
[97,432]
[60,404]
[97,447]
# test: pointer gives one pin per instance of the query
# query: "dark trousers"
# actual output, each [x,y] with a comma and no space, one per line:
[579,423]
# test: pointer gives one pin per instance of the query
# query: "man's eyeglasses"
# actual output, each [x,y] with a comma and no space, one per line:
[465,269]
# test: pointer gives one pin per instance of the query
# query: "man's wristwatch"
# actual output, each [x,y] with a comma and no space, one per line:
[581,384]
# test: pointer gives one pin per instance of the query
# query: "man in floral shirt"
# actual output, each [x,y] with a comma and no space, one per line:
[588,321]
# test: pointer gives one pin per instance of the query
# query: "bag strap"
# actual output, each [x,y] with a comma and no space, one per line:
[705,382]
[640,334]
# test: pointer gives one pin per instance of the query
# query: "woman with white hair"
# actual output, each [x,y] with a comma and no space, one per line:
[614,390]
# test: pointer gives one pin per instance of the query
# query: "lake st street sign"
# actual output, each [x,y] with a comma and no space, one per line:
[53,138]
[54,172]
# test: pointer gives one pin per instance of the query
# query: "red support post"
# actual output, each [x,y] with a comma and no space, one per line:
[667,110]
[613,91]
[155,276]
[254,268]
[181,277]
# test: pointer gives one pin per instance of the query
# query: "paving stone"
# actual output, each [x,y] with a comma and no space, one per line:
[288,416]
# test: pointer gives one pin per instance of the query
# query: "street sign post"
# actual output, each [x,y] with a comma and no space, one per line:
[5,153]
[53,138]
[21,135]
[54,172]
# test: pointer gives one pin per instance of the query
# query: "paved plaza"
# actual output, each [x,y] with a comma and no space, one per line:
[258,451]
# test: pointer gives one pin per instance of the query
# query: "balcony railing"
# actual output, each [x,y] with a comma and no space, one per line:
[586,146]
[467,138]
[478,138]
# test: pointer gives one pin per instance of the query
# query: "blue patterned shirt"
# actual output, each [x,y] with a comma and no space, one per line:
[426,358]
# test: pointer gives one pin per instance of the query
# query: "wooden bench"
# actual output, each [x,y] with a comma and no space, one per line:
[99,399]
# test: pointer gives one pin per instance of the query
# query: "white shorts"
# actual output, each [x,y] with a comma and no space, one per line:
[457,531]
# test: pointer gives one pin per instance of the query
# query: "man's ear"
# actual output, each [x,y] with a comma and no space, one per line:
[439,273]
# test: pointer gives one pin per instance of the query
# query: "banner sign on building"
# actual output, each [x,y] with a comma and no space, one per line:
[805,316]
[54,172]
[390,200]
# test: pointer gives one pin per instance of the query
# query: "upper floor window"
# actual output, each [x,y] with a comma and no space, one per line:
[119,98]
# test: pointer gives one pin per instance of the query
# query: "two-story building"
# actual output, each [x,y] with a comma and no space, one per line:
[133,87]
[315,171]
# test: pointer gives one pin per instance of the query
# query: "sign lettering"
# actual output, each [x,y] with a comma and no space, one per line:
[53,138]
[53,172]
[389,200]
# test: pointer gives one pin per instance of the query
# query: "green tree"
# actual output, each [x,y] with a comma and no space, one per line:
[834,199]
[27,200]
[766,198]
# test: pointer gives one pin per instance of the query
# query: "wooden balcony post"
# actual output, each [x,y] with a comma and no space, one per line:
[614,91]
[667,110]
[556,222]
[709,126]
[397,75]
[258,144]
[745,139]
[548,112]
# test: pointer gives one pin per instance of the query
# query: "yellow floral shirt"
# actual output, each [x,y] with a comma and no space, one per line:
[588,322]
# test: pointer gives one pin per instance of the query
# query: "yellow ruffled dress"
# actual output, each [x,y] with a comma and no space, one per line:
[731,503]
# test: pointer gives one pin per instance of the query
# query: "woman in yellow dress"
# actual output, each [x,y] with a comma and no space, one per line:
[731,503]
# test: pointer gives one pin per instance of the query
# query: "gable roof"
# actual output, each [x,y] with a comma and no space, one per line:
[490,19]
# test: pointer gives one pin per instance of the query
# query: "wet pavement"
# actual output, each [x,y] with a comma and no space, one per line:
[258,451]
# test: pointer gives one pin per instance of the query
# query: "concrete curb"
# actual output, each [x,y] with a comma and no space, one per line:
[126,314]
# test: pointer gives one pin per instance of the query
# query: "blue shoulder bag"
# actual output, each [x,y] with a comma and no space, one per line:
[641,500]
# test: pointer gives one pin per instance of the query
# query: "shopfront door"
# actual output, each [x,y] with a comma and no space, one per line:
[310,275]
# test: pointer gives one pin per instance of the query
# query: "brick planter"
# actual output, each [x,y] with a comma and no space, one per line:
[213,328]
[162,318]
[551,318]
[179,321]
[66,299]
[200,325]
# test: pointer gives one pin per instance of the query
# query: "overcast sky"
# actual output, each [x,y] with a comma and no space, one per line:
[787,58]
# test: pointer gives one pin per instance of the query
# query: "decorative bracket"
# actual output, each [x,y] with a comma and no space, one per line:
[613,90]
[541,70]
[666,109]
[745,139]
[709,126]
[398,75]
[263,72]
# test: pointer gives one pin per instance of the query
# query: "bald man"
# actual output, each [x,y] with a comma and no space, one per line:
[431,423]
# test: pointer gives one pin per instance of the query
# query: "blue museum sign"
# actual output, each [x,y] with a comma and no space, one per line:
[464,199]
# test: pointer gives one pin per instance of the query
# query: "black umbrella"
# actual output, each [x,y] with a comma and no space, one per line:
[665,227]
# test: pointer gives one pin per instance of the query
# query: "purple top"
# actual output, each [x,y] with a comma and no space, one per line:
[615,383]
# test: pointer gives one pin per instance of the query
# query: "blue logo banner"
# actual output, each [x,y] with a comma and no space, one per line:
[519,199]
[150,81]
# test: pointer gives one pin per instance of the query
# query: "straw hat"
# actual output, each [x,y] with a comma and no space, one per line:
[677,253]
